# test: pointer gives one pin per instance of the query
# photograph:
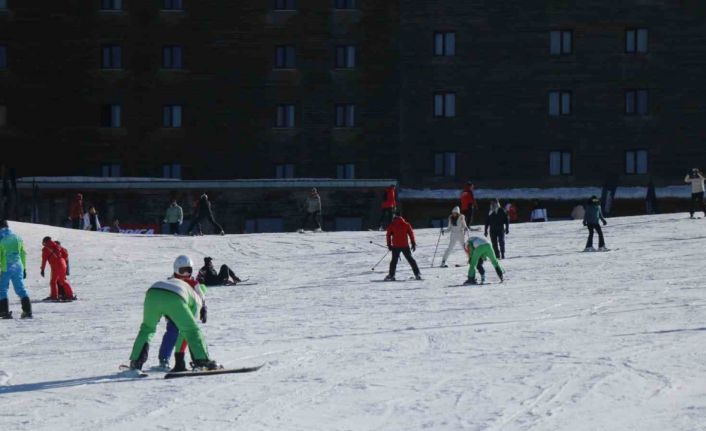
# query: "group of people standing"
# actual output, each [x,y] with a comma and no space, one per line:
[80,219]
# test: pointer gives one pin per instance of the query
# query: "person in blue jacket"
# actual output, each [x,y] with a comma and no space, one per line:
[13,260]
[591,218]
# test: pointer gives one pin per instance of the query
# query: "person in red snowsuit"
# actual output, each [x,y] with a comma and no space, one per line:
[76,211]
[52,253]
[388,206]
[468,203]
[398,234]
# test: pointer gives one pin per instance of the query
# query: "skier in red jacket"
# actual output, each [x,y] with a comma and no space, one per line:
[397,241]
[388,206]
[468,203]
[56,256]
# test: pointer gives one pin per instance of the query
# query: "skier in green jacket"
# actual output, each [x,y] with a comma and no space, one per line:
[13,261]
[176,299]
[478,250]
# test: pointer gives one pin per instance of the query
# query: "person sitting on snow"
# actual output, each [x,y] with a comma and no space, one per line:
[458,228]
[478,250]
[52,253]
[208,275]
[175,298]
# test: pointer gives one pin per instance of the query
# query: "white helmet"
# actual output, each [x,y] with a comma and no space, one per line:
[182,262]
[456,210]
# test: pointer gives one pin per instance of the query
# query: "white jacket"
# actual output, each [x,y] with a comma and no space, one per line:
[459,229]
[697,184]
[87,222]
[182,289]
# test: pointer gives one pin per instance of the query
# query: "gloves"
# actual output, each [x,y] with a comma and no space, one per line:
[24,275]
[414,247]
[203,314]
[485,233]
[507,231]
[389,247]
[42,273]
[442,230]
[584,223]
[68,272]
[605,222]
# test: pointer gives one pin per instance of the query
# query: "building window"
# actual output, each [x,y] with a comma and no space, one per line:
[285,5]
[636,40]
[445,43]
[345,171]
[3,116]
[636,102]
[345,115]
[112,57]
[559,103]
[285,57]
[561,42]
[445,164]
[3,57]
[3,4]
[636,162]
[284,171]
[172,57]
[559,163]
[110,170]
[285,117]
[111,116]
[171,171]
[345,57]
[111,4]
[445,104]
[172,5]
[345,4]
[171,116]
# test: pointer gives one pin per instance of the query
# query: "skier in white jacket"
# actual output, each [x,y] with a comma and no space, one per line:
[696,179]
[457,228]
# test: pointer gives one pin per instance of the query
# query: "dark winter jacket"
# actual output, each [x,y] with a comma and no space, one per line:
[208,276]
[204,207]
[498,222]
[593,214]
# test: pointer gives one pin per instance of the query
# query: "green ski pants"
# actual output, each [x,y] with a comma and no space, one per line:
[482,252]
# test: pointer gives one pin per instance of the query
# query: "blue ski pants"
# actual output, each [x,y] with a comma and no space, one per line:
[168,340]
[14,273]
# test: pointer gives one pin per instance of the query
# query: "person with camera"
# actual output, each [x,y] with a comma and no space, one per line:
[696,179]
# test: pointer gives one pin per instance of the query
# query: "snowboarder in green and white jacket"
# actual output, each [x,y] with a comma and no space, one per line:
[479,249]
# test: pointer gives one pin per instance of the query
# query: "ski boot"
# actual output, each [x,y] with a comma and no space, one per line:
[205,364]
[136,365]
[164,363]
[179,364]
[5,312]
[443,264]
[26,308]
[602,248]
[500,274]
[223,233]
[470,281]
[417,276]
[482,279]
[390,278]
[589,249]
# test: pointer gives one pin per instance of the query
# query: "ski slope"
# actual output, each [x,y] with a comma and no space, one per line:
[572,341]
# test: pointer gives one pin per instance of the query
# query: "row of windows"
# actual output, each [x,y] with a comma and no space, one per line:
[116,5]
[344,171]
[292,4]
[560,163]
[344,115]
[111,116]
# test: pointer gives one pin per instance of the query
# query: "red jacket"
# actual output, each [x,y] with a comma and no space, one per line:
[467,198]
[52,253]
[390,198]
[76,209]
[397,233]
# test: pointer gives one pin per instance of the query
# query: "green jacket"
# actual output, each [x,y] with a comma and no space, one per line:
[12,250]
[174,214]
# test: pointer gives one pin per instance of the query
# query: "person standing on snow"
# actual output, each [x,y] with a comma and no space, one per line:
[499,226]
[696,179]
[175,298]
[468,202]
[478,250]
[312,210]
[13,261]
[590,219]
[208,275]
[91,221]
[65,255]
[174,217]
[399,235]
[388,206]
[457,228]
[204,212]
[76,211]
[52,253]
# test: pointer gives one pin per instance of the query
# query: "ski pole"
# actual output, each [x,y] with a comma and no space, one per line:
[379,245]
[437,246]
[386,253]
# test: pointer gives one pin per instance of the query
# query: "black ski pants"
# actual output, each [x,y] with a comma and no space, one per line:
[407,255]
[75,223]
[173,228]
[595,227]
[697,202]
[468,214]
[203,217]
[313,216]
[498,241]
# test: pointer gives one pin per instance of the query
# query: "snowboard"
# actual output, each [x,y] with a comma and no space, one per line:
[47,300]
[197,373]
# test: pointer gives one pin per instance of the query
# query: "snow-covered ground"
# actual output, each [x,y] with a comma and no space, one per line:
[571,341]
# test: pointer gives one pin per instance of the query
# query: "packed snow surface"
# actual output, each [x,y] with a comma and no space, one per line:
[571,341]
